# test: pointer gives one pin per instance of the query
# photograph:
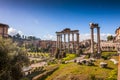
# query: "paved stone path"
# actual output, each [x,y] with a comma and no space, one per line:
[38,64]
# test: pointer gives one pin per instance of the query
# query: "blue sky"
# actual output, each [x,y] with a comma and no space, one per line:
[42,18]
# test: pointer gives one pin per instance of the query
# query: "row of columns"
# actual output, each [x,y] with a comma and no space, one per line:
[60,44]
[92,26]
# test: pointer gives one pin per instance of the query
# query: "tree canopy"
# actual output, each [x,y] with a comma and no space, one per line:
[109,38]
[12,59]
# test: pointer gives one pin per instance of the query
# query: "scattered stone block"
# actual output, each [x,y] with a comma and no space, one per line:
[115,61]
[103,64]
[92,59]
[86,62]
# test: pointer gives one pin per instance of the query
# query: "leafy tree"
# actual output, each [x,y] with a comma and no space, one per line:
[12,58]
[17,36]
[109,38]
[31,37]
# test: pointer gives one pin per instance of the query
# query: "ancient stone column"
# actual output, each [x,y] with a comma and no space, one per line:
[64,41]
[78,38]
[98,39]
[77,35]
[73,41]
[57,41]
[68,42]
[92,40]
[60,42]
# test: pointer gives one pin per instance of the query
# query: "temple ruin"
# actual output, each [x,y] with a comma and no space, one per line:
[92,26]
[69,34]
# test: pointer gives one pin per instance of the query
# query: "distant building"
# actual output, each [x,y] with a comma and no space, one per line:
[117,32]
[85,43]
[108,45]
[47,43]
[4,30]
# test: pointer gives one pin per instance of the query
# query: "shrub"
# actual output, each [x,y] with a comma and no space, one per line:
[107,55]
[54,61]
[24,79]
[112,75]
[92,77]
[87,56]
[12,58]
[69,57]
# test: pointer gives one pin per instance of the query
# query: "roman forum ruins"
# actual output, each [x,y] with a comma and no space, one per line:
[62,44]
[92,26]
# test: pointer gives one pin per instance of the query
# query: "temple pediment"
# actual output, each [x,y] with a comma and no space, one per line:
[66,30]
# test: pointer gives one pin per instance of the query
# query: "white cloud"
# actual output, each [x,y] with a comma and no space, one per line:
[103,36]
[12,31]
[49,37]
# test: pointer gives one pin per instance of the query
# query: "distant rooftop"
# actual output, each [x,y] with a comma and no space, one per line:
[4,25]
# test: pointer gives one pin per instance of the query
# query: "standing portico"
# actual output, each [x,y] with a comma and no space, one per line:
[62,44]
[92,26]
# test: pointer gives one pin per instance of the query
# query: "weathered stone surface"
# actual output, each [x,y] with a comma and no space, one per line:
[86,62]
[114,61]
[103,64]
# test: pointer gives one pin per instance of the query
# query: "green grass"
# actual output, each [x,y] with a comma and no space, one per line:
[69,57]
[73,71]
[107,55]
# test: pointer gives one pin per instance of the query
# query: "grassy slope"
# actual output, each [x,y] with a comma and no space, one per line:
[73,71]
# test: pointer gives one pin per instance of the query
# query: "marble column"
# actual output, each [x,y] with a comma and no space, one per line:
[60,41]
[57,41]
[64,41]
[77,35]
[68,42]
[78,38]
[73,41]
[92,40]
[98,39]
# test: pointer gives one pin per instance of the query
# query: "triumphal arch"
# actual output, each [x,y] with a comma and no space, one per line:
[68,39]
